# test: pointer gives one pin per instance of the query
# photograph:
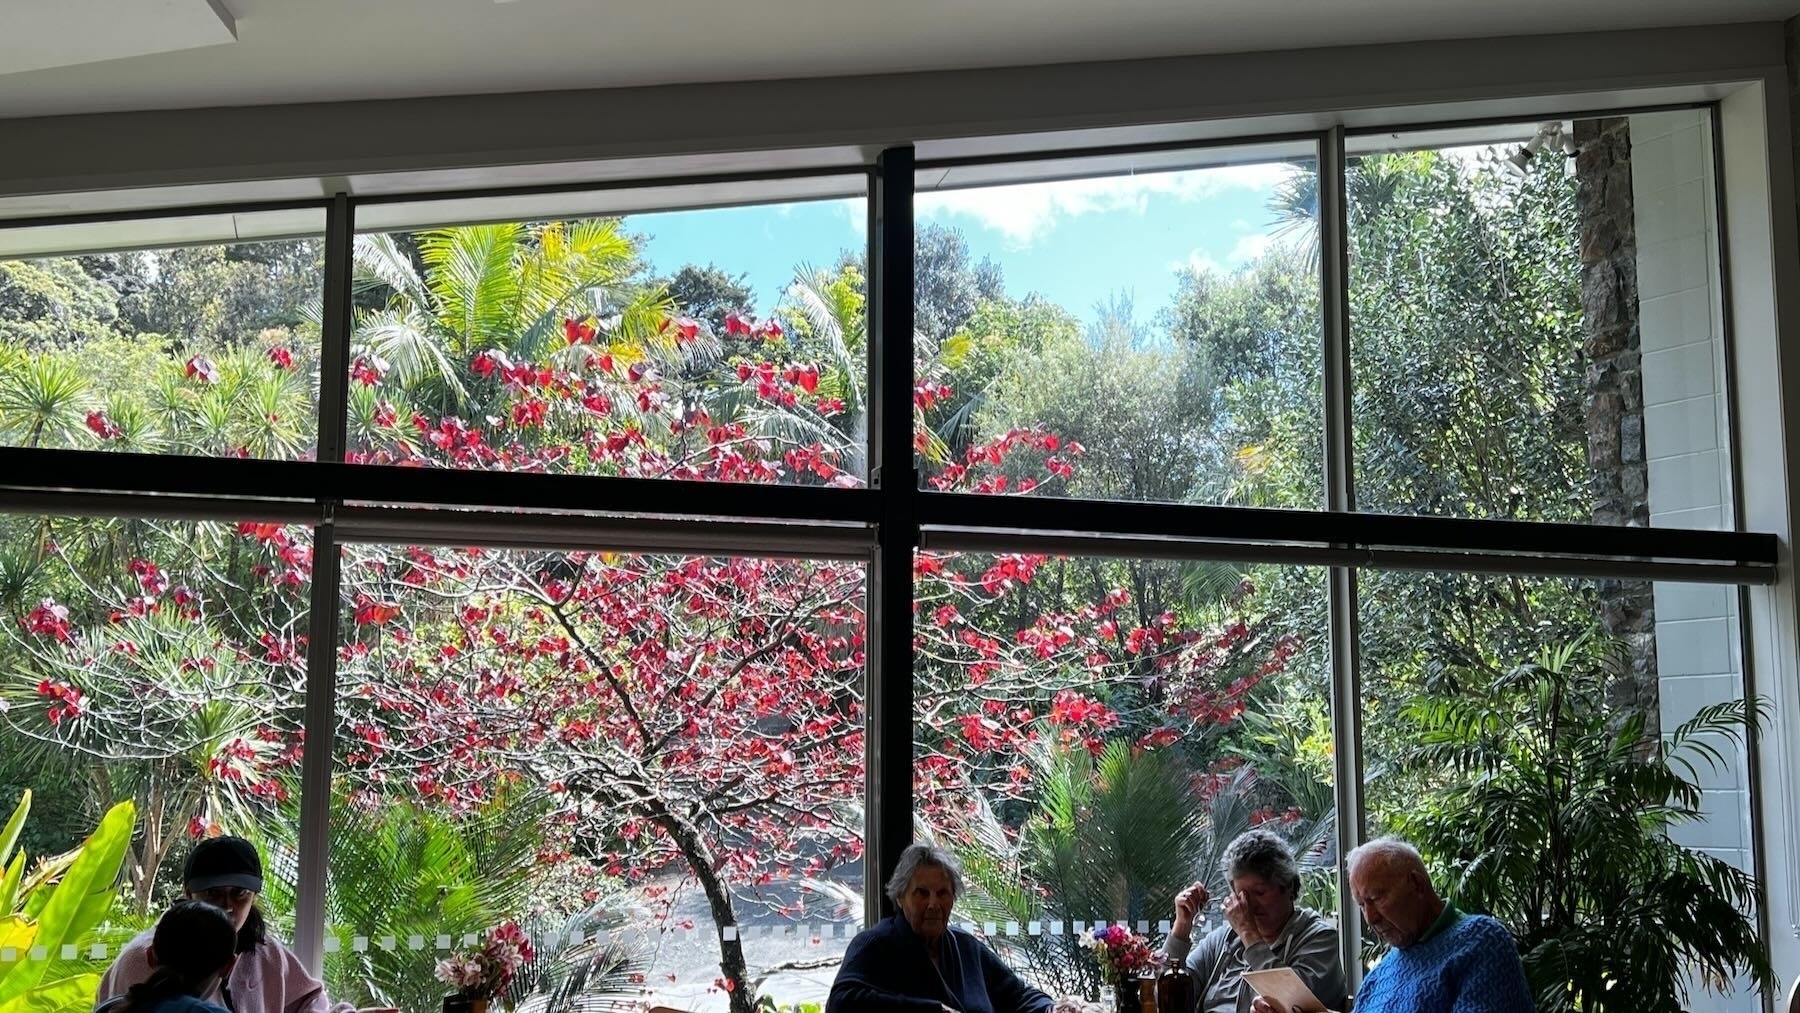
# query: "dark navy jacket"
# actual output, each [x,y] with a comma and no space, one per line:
[887,970]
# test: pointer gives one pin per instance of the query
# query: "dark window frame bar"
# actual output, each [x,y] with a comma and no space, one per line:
[37,475]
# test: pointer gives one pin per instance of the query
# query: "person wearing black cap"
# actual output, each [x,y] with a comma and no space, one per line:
[227,873]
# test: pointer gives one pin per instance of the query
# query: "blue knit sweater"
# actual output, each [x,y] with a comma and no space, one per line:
[1470,965]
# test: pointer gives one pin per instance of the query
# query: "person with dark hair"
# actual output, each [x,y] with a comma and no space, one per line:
[266,977]
[916,962]
[1264,929]
[193,947]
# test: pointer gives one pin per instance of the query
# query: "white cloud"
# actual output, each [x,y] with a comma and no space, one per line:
[1249,248]
[1023,212]
[1245,250]
[1198,262]
[857,210]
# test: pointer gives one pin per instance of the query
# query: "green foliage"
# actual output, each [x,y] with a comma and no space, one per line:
[209,298]
[406,869]
[44,401]
[1143,415]
[1466,310]
[1115,837]
[1574,846]
[708,293]
[588,976]
[57,903]
[949,287]
[46,304]
[506,287]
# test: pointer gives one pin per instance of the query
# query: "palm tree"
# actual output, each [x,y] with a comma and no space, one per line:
[1554,812]
[506,288]
[44,401]
[402,875]
[1113,837]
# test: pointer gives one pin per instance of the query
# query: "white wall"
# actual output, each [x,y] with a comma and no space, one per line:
[1686,440]
[1687,446]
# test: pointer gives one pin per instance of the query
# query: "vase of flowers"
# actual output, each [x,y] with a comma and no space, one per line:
[480,975]
[1123,958]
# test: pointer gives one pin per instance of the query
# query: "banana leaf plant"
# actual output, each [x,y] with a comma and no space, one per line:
[56,905]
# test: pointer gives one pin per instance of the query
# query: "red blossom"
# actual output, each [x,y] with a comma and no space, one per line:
[529,412]
[281,357]
[48,619]
[103,427]
[201,368]
[578,332]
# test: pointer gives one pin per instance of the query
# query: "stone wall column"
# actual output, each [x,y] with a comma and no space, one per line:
[1620,482]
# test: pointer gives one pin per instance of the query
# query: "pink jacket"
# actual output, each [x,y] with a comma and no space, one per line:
[268,979]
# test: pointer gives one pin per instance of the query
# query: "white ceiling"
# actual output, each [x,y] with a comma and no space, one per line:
[67,33]
[303,50]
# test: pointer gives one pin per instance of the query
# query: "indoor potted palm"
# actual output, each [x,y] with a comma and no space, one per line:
[1550,809]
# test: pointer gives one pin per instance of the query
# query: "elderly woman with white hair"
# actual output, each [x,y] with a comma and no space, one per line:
[1263,929]
[916,962]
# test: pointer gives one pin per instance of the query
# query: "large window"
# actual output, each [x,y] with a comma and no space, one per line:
[152,336]
[653,764]
[1136,329]
[725,344]
[1321,484]
[1091,733]
[1552,346]
[162,664]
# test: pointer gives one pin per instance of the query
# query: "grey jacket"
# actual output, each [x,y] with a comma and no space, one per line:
[1308,943]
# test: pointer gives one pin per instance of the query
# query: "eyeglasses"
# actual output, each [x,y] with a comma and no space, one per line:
[225,896]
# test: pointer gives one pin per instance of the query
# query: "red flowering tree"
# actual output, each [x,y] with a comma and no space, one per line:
[696,715]
[169,663]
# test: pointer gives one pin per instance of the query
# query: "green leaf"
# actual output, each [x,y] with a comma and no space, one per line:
[9,885]
[79,900]
[66,995]
[10,836]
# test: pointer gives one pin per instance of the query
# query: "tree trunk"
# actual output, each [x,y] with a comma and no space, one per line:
[731,950]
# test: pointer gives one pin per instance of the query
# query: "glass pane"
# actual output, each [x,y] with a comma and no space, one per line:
[160,664]
[1539,336]
[653,765]
[1540,704]
[1092,733]
[109,341]
[720,345]
[1149,333]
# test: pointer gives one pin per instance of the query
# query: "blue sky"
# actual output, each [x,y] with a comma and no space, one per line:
[1076,242]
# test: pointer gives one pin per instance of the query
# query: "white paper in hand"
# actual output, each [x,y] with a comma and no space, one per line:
[1282,987]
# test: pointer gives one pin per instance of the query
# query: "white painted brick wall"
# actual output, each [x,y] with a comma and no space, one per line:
[1699,656]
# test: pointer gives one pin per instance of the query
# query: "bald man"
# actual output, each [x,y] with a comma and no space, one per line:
[1440,960]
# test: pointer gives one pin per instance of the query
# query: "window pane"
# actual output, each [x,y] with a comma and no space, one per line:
[113,339]
[160,663]
[652,764]
[1542,343]
[1091,733]
[1459,718]
[724,345]
[1150,333]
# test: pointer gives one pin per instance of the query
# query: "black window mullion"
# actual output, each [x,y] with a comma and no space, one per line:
[334,353]
[890,687]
